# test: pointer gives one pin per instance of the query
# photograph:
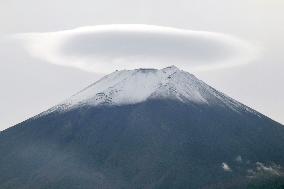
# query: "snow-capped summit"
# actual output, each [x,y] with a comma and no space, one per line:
[135,86]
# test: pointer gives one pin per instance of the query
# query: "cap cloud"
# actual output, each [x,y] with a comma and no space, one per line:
[105,48]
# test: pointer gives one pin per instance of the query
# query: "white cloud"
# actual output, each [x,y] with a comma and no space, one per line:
[109,47]
[261,170]
[274,169]
[239,159]
[226,167]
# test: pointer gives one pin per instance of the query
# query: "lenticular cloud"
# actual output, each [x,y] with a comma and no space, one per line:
[109,47]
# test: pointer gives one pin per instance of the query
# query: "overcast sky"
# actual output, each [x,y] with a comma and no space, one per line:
[30,85]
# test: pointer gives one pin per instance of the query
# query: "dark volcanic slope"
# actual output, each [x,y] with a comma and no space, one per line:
[153,144]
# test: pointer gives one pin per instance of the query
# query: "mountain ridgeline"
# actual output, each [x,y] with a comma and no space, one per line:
[144,128]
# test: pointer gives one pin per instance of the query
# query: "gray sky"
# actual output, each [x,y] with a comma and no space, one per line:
[30,85]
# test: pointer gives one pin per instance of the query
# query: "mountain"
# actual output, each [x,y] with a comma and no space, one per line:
[144,128]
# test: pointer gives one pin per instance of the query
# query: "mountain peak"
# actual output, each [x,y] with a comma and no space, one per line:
[139,85]
[171,68]
[166,70]
[134,86]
